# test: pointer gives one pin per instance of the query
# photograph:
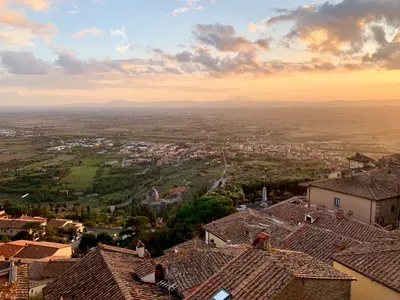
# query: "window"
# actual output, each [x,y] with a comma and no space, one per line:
[380,220]
[336,202]
[222,294]
[393,208]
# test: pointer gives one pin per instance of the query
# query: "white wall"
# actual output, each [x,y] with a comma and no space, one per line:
[217,240]
[38,290]
[151,278]
[360,207]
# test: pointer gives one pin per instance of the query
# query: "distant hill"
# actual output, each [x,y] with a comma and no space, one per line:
[239,102]
[242,102]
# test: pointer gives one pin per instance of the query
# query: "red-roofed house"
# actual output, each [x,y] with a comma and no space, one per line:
[31,250]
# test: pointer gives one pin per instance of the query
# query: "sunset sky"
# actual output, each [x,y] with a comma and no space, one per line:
[72,51]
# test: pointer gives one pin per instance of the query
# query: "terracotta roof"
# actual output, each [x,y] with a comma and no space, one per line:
[258,274]
[242,227]
[7,290]
[360,158]
[195,243]
[12,224]
[197,257]
[149,266]
[51,258]
[378,260]
[9,250]
[193,271]
[43,244]
[50,269]
[37,250]
[145,268]
[104,273]
[316,242]
[22,290]
[32,219]
[3,215]
[376,185]
[294,210]
[18,289]
[57,222]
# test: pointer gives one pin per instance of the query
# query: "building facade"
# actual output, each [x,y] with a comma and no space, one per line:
[365,210]
[366,288]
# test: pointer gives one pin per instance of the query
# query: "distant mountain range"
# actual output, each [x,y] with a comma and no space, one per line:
[237,102]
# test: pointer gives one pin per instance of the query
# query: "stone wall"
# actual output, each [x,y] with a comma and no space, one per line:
[312,289]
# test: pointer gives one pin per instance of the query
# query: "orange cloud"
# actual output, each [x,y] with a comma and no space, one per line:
[34,4]
[253,27]
[90,31]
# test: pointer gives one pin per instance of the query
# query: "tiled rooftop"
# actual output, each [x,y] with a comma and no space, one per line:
[38,250]
[316,242]
[41,272]
[360,158]
[57,222]
[195,243]
[42,244]
[258,274]
[8,251]
[242,227]
[293,211]
[193,271]
[375,185]
[378,260]
[104,273]
[285,222]
[12,224]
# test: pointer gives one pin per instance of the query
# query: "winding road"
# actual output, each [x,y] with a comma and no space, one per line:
[222,180]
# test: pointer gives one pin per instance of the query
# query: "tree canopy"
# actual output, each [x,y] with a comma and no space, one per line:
[205,210]
[88,241]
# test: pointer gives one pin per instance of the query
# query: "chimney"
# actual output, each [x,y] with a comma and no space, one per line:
[262,241]
[340,214]
[213,244]
[140,249]
[342,246]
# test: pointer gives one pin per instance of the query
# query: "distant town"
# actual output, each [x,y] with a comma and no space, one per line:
[122,206]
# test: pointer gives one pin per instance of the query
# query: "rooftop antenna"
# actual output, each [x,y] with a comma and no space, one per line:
[169,286]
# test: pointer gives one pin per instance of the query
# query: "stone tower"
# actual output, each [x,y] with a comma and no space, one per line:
[264,201]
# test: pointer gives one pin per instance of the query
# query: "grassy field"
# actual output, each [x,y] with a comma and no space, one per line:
[62,158]
[92,161]
[40,161]
[260,163]
[15,156]
[80,177]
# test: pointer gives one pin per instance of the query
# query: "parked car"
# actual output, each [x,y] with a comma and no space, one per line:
[241,207]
